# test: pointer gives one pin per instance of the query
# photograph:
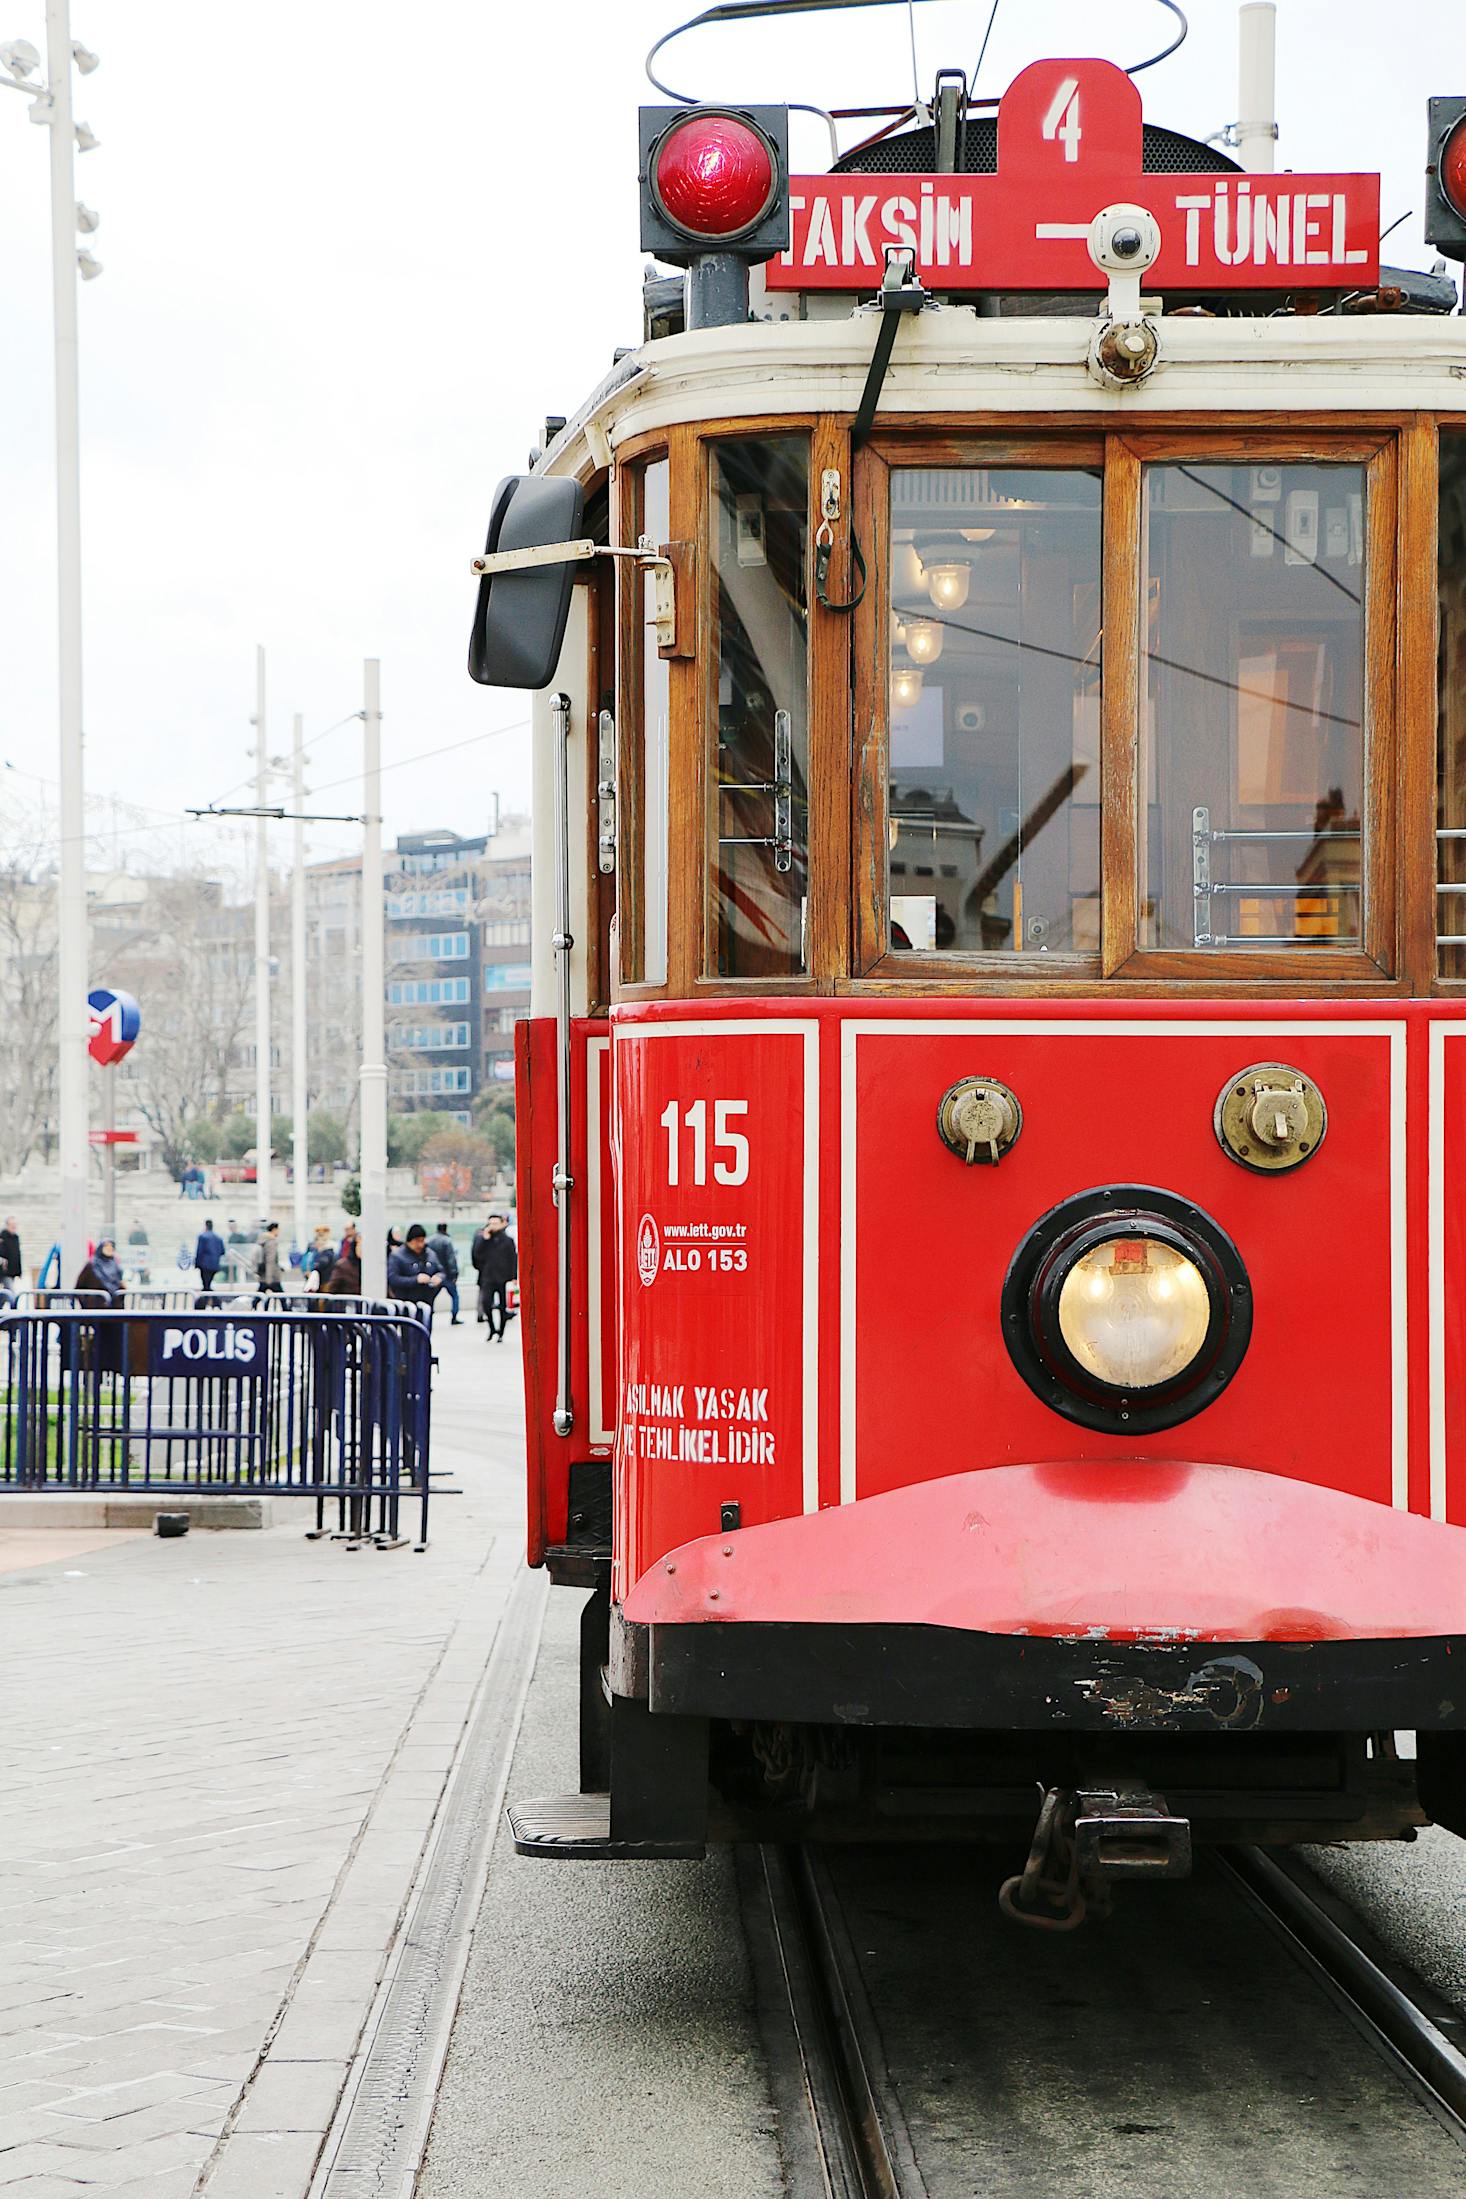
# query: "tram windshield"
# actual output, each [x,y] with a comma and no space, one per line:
[1251,817]
[994,787]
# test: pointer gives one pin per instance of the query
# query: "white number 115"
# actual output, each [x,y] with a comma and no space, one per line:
[732,1143]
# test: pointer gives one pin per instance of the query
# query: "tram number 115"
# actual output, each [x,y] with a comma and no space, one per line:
[730,1144]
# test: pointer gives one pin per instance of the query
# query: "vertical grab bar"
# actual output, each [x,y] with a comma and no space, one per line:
[562,1181]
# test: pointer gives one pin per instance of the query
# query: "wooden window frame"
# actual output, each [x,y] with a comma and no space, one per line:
[1122,962]
[712,982]
[1081,450]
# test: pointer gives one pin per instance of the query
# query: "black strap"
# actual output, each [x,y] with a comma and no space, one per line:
[822,555]
[875,379]
[898,298]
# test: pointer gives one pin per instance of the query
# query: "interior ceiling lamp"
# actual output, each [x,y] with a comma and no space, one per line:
[947,584]
[924,638]
[906,682]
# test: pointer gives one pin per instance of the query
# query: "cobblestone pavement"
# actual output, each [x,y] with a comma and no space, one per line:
[220,1758]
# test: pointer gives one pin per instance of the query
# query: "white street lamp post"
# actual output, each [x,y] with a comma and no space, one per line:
[52,105]
[373,1006]
[264,1186]
[300,1095]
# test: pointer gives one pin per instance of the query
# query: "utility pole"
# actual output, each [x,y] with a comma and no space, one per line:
[373,1004]
[263,1185]
[299,1093]
[71,925]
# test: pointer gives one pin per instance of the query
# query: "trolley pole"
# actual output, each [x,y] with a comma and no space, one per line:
[1257,128]
[71,923]
[300,1097]
[373,1005]
[263,1185]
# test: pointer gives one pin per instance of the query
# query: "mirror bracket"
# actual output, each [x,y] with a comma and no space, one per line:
[646,554]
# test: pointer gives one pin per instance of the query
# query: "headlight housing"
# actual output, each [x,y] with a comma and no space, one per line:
[1127,1308]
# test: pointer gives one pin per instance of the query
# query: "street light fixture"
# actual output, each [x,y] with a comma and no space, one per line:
[51,104]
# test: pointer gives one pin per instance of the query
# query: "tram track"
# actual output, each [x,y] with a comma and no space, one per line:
[844,2129]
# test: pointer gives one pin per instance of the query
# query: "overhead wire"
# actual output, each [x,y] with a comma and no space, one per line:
[982,50]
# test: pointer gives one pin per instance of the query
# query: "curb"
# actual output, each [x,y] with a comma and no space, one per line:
[101,1508]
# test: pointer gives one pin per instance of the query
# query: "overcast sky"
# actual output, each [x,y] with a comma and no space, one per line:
[354,253]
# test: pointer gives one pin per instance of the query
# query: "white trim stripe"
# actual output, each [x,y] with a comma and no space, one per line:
[809,1030]
[1399,1279]
[595,1048]
[1435,1240]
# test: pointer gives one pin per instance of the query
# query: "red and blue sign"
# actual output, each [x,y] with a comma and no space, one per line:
[115,1022]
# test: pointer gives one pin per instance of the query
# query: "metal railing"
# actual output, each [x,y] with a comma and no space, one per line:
[316,1401]
[1205,886]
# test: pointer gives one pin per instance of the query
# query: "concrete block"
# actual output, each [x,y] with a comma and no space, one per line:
[137,1509]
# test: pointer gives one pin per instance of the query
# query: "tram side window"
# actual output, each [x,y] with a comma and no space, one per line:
[1252,758]
[758,802]
[993,818]
[644,938]
[1451,691]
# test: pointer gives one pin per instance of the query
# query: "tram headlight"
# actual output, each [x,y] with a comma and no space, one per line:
[1134,1311]
[1127,1308]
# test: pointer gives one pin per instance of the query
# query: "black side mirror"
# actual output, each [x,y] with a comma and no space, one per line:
[519,620]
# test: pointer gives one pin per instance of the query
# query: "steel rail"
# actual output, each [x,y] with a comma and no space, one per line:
[1404,2030]
[860,2137]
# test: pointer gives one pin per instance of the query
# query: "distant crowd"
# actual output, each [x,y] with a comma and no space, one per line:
[422,1269]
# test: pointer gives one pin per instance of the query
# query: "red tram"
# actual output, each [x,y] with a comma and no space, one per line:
[991,1141]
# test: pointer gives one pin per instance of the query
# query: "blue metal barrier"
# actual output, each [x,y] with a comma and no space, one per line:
[317,1399]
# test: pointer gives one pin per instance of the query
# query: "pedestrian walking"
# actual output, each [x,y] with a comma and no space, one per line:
[409,1274]
[443,1255]
[208,1255]
[10,1269]
[475,1261]
[496,1256]
[267,1264]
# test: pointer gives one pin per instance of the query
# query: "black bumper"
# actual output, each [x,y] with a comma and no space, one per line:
[928,1676]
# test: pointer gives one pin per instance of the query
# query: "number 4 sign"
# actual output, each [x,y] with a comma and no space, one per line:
[1062,120]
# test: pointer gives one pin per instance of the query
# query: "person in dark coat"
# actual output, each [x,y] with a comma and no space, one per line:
[103,1272]
[344,1280]
[443,1255]
[409,1274]
[208,1255]
[10,1269]
[496,1257]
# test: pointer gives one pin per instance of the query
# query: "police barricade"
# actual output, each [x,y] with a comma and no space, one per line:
[328,1400]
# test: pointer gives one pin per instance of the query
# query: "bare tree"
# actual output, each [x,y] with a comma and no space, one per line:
[184,956]
[27,1003]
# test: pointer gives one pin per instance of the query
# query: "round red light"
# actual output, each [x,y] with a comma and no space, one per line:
[1453,168]
[715,175]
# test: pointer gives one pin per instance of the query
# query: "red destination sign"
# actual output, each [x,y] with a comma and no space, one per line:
[1069,144]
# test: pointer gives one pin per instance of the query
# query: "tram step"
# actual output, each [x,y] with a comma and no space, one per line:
[578,1827]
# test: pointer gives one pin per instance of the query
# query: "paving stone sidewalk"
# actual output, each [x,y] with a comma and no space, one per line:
[220,1759]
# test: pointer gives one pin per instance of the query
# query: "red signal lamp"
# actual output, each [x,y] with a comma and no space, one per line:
[714,180]
[1453,169]
[715,176]
[1445,176]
